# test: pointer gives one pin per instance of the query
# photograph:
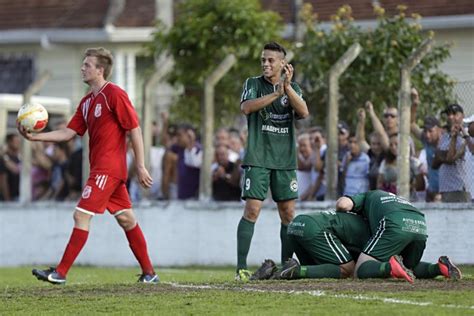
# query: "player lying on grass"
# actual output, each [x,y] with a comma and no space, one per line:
[398,239]
[326,243]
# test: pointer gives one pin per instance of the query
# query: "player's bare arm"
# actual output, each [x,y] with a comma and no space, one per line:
[296,102]
[59,135]
[254,105]
[137,143]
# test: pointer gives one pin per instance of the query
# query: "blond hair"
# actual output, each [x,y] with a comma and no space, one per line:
[104,59]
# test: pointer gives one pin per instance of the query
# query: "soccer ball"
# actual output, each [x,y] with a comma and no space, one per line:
[33,117]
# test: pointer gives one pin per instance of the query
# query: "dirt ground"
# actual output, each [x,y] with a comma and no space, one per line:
[346,286]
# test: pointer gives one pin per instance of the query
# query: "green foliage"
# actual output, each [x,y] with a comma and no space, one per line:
[375,74]
[203,34]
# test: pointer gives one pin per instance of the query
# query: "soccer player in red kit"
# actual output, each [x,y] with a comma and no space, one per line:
[108,115]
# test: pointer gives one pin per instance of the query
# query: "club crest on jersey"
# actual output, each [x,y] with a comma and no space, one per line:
[98,110]
[294,185]
[87,192]
[284,100]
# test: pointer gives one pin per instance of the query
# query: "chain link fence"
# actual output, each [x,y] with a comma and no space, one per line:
[465,95]
[464,91]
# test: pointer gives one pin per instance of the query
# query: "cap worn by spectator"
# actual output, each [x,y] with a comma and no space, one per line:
[343,127]
[469,120]
[430,122]
[453,108]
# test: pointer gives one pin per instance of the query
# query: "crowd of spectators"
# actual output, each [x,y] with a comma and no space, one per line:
[56,171]
[441,160]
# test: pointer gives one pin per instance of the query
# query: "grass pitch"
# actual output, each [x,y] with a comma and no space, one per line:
[212,291]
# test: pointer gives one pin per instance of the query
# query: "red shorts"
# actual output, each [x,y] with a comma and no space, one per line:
[104,192]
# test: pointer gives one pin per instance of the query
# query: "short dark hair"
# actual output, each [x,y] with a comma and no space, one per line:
[185,127]
[275,47]
[10,137]
[453,109]
[317,129]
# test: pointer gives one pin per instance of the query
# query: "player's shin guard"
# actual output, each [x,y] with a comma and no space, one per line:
[76,243]
[244,238]
[373,269]
[137,243]
[425,270]
[286,249]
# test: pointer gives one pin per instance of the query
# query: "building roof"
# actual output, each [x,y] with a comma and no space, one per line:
[69,14]
[72,21]
[65,14]
[363,9]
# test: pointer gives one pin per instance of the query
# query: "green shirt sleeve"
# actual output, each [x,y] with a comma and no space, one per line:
[249,90]
[358,200]
[299,92]
[297,89]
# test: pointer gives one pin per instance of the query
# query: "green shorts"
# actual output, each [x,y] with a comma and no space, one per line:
[282,183]
[314,245]
[399,233]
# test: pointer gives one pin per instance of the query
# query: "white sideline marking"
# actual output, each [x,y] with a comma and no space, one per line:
[319,293]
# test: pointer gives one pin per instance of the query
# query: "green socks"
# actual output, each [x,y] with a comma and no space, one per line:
[373,269]
[320,271]
[286,249]
[425,270]
[244,237]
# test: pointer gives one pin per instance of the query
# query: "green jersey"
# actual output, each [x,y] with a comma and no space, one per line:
[375,205]
[271,132]
[351,229]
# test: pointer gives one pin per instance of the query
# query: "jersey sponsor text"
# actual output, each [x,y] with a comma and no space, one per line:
[274,129]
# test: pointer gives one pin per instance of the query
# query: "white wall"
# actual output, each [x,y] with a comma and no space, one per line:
[188,233]
[461,63]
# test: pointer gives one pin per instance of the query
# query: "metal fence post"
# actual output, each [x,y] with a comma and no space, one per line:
[333,116]
[403,155]
[205,188]
[25,173]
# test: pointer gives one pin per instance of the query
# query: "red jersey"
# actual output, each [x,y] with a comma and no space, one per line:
[108,116]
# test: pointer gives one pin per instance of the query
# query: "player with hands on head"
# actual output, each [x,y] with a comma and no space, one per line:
[108,115]
[271,103]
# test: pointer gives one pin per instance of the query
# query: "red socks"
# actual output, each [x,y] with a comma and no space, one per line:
[78,240]
[73,248]
[137,243]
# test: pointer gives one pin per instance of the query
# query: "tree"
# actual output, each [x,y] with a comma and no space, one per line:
[375,74]
[203,34]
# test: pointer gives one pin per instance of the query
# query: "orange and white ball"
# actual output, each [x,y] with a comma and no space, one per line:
[33,117]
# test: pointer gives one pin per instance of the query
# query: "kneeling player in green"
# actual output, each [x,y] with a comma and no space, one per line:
[324,242]
[398,239]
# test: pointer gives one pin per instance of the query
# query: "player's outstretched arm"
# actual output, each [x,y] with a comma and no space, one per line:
[137,143]
[59,135]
